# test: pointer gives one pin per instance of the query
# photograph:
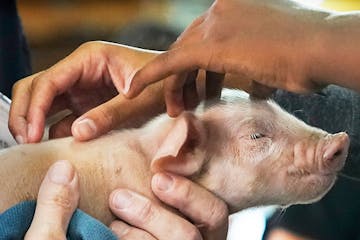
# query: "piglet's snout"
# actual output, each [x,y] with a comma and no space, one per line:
[334,152]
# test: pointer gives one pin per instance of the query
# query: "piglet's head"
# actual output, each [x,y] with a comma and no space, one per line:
[258,154]
[252,153]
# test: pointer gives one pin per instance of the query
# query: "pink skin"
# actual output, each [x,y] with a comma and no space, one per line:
[249,153]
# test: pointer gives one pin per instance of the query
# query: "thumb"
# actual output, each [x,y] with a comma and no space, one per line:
[57,200]
[100,119]
[118,112]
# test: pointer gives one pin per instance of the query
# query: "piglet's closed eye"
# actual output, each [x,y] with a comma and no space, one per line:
[183,150]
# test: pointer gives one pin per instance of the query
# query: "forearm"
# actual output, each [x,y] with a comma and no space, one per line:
[337,57]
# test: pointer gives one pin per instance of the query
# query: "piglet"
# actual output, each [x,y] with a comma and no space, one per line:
[247,152]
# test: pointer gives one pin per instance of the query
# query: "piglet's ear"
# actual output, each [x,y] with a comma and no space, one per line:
[183,149]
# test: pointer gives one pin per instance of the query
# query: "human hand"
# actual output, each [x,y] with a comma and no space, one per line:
[86,83]
[59,195]
[207,215]
[57,200]
[269,43]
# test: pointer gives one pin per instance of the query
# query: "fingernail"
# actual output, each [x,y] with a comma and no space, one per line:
[19,139]
[126,87]
[128,83]
[85,128]
[61,172]
[123,199]
[163,182]
[31,131]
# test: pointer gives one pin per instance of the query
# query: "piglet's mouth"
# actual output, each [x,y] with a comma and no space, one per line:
[297,172]
[301,173]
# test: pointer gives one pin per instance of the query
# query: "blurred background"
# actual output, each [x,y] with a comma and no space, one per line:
[55,28]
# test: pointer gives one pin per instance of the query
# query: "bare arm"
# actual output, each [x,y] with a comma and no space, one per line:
[337,53]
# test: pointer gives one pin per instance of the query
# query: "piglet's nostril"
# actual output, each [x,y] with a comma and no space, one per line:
[332,153]
[338,153]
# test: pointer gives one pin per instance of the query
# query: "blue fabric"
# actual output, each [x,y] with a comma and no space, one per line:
[15,221]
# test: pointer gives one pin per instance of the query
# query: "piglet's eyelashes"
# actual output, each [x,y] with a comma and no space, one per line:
[256,136]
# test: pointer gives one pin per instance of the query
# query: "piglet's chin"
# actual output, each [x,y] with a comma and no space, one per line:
[318,186]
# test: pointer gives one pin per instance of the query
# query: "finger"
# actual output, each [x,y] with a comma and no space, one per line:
[46,86]
[57,200]
[173,94]
[261,91]
[101,119]
[151,217]
[59,104]
[174,61]
[190,95]
[202,207]
[214,84]
[119,112]
[124,231]
[62,128]
[21,94]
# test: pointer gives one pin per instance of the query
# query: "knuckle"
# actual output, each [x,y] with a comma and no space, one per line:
[146,213]
[35,84]
[134,233]
[92,46]
[165,58]
[62,202]
[120,229]
[185,192]
[218,214]
[16,86]
[12,127]
[89,44]
[56,234]
[61,199]
[192,234]
[45,232]
[217,8]
[108,117]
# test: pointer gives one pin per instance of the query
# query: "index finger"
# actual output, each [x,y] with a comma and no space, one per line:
[45,87]
[207,211]
[21,95]
[174,61]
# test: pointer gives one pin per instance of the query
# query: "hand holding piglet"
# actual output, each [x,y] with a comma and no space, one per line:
[273,44]
[59,195]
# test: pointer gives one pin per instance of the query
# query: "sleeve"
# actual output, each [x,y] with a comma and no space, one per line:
[14,53]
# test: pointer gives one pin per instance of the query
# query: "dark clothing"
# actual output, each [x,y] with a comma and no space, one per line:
[337,215]
[14,54]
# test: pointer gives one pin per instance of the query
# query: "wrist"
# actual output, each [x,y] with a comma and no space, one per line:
[315,51]
[336,54]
